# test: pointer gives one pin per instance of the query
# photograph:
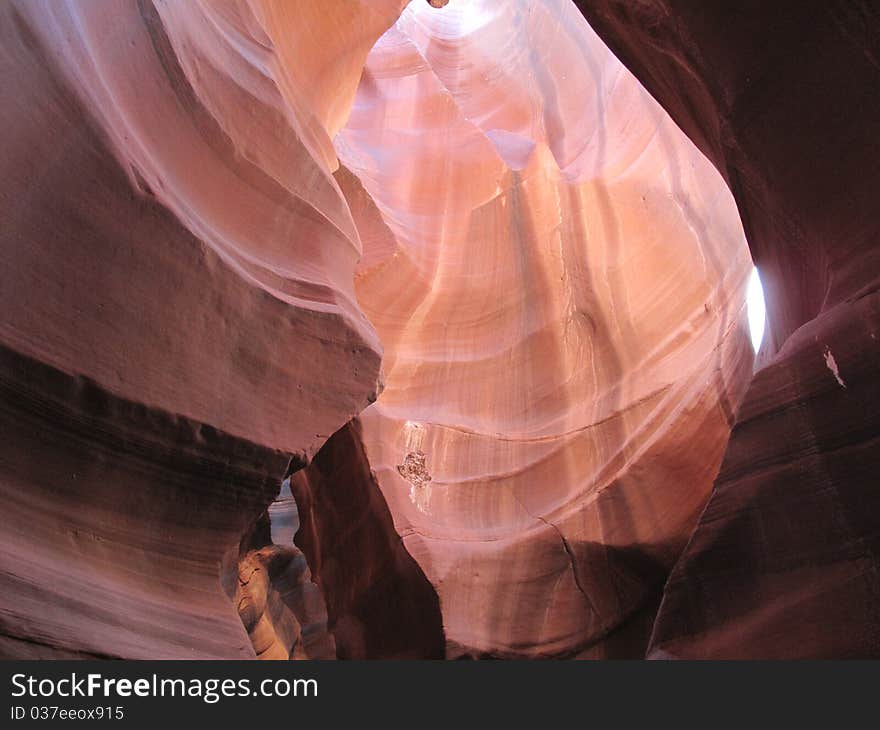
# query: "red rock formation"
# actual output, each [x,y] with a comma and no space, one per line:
[281,607]
[178,310]
[379,603]
[557,277]
[197,297]
[782,98]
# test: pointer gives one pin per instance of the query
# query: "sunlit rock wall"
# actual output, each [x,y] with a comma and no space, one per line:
[178,310]
[197,296]
[782,98]
[557,276]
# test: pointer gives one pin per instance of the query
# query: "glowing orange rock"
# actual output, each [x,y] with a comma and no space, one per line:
[557,276]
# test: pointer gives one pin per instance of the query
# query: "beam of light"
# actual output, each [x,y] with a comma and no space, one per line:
[459,17]
[755,306]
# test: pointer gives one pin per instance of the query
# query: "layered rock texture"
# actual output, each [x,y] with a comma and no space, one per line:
[556,274]
[279,604]
[178,307]
[386,329]
[781,97]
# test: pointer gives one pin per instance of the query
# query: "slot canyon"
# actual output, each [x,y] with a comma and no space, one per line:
[371,329]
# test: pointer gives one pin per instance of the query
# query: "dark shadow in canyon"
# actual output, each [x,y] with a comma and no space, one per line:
[380,605]
[781,97]
[282,610]
[142,504]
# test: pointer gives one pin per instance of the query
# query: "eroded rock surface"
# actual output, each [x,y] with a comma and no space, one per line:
[379,602]
[780,96]
[178,310]
[556,274]
[281,607]
[197,297]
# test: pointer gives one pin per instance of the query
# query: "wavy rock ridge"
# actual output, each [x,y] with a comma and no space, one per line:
[454,275]
[557,277]
[784,562]
[179,313]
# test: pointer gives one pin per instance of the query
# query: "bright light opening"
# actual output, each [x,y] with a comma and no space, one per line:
[755,304]
[456,18]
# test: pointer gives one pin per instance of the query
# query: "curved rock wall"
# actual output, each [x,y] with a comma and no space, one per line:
[379,602]
[197,296]
[280,605]
[557,276]
[782,98]
[178,310]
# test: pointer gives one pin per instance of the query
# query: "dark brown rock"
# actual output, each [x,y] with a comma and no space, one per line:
[781,97]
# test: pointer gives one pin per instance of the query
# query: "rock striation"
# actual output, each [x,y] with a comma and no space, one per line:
[401,329]
[178,308]
[784,561]
[557,276]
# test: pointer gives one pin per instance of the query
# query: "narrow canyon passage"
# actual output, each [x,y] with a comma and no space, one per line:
[557,277]
[391,329]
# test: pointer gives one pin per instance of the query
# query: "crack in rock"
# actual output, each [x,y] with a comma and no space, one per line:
[831,364]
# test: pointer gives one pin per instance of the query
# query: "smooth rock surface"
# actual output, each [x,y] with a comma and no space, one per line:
[781,97]
[178,309]
[229,224]
[557,276]
[279,604]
